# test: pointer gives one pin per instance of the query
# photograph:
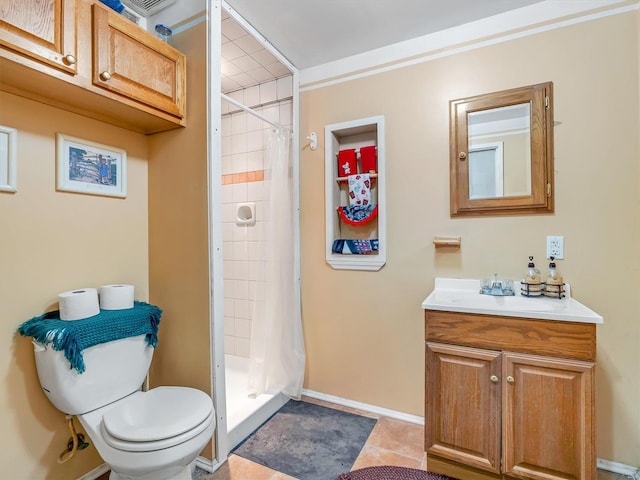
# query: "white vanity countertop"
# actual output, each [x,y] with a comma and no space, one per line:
[462,295]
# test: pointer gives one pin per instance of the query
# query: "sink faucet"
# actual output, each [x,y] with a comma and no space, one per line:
[496,287]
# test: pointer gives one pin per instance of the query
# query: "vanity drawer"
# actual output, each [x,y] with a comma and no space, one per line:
[541,337]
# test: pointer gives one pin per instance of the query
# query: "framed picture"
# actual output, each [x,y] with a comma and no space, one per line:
[8,157]
[91,168]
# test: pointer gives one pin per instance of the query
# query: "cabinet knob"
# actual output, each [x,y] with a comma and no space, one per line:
[104,76]
[462,156]
[494,378]
[510,379]
[69,59]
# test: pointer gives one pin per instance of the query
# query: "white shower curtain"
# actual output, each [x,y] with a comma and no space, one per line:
[277,355]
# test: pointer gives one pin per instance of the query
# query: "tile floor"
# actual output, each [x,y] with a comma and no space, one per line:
[392,442]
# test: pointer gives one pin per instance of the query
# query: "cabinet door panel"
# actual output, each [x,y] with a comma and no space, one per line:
[548,418]
[132,63]
[462,413]
[44,30]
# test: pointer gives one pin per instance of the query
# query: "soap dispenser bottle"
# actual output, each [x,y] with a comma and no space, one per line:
[553,283]
[532,281]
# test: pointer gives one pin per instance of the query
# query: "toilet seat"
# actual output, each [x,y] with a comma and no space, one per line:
[157,419]
[158,444]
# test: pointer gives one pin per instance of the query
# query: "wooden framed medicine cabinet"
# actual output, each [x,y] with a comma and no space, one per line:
[501,152]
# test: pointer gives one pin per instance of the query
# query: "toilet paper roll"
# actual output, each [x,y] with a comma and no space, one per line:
[116,297]
[78,304]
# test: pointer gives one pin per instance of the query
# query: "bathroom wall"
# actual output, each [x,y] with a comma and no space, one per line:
[244,143]
[52,242]
[364,331]
[178,234]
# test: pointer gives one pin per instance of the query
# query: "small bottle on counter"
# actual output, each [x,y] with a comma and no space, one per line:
[553,283]
[532,281]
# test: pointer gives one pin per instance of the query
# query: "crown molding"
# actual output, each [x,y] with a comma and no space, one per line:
[530,20]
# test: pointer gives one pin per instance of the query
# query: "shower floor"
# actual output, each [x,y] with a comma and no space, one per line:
[245,414]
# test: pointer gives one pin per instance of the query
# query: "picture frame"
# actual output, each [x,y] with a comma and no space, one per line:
[91,168]
[8,159]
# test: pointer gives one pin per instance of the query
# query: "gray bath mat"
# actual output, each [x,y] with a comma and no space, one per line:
[308,441]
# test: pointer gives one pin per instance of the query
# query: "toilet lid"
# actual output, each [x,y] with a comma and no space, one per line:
[157,414]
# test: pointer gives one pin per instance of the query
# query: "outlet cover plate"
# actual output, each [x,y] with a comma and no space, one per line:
[555,247]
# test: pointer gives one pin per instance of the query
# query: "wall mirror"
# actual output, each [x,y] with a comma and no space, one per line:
[501,159]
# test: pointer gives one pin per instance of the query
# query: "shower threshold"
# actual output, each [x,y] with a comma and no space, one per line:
[245,414]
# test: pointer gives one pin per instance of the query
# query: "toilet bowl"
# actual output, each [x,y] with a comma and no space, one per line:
[166,428]
[142,435]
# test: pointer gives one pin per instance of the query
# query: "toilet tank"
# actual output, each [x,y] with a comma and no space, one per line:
[113,371]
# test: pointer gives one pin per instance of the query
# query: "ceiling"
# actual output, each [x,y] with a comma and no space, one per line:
[320,33]
[310,33]
[245,61]
[314,32]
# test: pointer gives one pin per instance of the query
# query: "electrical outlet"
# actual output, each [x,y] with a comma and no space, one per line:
[555,247]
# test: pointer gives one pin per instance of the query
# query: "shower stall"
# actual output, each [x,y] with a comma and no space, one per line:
[225,189]
[255,209]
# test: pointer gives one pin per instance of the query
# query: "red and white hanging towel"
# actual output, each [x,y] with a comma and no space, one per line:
[347,162]
[368,159]
[359,189]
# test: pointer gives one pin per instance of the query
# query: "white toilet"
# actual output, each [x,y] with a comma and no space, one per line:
[155,434]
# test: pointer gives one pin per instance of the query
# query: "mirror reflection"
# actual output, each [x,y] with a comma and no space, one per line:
[500,152]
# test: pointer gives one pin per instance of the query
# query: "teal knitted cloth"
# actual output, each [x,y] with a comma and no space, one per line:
[73,337]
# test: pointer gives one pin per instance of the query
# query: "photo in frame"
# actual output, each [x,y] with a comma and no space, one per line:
[8,159]
[92,168]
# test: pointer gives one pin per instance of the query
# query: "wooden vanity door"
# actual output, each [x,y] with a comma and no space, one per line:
[548,420]
[462,405]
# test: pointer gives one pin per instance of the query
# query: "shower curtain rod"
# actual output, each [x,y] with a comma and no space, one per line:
[252,112]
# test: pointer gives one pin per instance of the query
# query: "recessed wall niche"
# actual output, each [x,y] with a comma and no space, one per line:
[355,194]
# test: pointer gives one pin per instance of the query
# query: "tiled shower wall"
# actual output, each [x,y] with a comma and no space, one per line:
[244,142]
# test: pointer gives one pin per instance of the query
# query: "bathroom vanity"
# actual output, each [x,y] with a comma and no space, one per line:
[509,385]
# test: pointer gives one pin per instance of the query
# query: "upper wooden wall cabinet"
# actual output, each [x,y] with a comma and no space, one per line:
[81,56]
[43,31]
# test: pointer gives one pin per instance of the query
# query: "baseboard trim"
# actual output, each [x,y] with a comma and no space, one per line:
[617,467]
[95,473]
[365,407]
[610,466]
